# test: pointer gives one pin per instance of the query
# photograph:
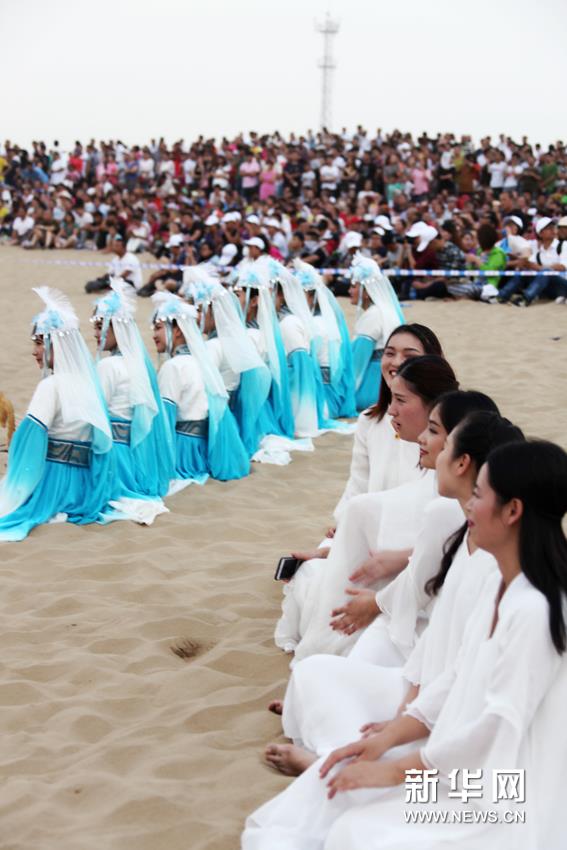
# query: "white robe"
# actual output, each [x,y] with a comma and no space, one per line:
[380,461]
[488,711]
[329,698]
[370,523]
[404,603]
[181,382]
[500,708]
[371,324]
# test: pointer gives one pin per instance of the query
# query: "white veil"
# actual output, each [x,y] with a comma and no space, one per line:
[73,367]
[368,274]
[310,279]
[119,308]
[256,277]
[294,295]
[238,348]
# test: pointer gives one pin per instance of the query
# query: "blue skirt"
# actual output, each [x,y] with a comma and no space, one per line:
[63,489]
[191,457]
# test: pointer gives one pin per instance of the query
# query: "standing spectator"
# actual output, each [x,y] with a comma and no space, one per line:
[249,172]
[268,180]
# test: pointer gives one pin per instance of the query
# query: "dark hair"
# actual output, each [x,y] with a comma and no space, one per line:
[428,376]
[476,435]
[431,345]
[454,406]
[487,236]
[536,473]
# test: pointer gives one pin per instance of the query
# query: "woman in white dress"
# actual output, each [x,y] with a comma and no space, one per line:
[487,711]
[330,698]
[377,531]
[380,461]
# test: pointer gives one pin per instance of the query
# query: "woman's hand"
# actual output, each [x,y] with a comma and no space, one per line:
[358,613]
[383,774]
[380,565]
[370,729]
[367,749]
[331,533]
[308,556]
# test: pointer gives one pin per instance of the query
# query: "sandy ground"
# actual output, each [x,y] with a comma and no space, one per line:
[109,739]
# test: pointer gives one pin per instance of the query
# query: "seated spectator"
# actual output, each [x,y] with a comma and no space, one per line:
[523,290]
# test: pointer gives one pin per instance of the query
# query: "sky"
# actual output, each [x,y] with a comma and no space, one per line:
[134,69]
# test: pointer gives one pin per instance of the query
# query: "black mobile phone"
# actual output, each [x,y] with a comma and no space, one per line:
[287,568]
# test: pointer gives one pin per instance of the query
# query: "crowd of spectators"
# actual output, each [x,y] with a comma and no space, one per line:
[412,203]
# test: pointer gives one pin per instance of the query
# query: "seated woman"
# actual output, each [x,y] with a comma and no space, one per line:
[485,711]
[375,531]
[143,442]
[332,346]
[253,292]
[379,312]
[59,463]
[381,460]
[298,332]
[329,698]
[196,401]
[245,375]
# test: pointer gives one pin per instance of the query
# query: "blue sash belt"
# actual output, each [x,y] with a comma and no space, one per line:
[193,427]
[66,451]
[121,431]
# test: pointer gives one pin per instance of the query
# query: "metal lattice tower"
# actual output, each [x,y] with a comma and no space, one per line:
[328,29]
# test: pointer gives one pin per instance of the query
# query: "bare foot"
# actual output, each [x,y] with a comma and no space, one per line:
[276,706]
[289,759]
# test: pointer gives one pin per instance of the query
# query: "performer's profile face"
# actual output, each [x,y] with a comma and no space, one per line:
[38,351]
[159,337]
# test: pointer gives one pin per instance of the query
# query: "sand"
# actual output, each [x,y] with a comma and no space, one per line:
[112,741]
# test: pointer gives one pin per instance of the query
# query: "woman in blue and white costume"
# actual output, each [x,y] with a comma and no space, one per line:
[332,345]
[196,402]
[252,288]
[60,459]
[142,438]
[298,334]
[246,377]
[379,312]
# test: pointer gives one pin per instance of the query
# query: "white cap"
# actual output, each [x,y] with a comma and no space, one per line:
[174,241]
[379,230]
[384,222]
[231,216]
[416,229]
[517,221]
[427,235]
[252,219]
[352,240]
[542,224]
[212,219]
[228,253]
[272,222]
[255,242]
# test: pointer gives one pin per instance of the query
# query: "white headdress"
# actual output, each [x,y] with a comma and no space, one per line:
[311,280]
[77,382]
[368,274]
[119,307]
[255,276]
[293,294]
[238,348]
